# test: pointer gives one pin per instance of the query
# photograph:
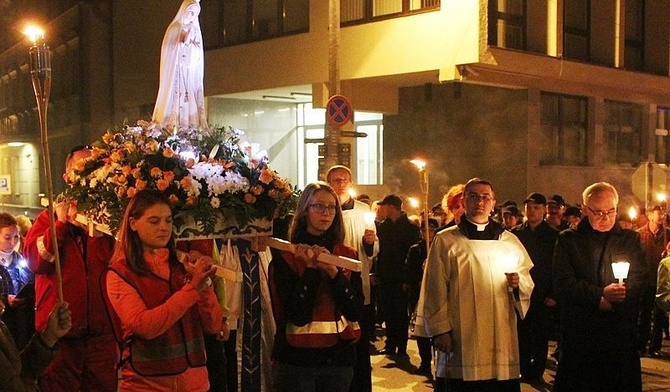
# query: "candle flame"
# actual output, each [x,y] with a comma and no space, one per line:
[352,193]
[661,197]
[620,269]
[370,218]
[632,212]
[420,164]
[34,33]
[510,262]
[414,203]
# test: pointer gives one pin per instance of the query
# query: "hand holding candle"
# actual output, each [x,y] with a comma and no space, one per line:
[510,264]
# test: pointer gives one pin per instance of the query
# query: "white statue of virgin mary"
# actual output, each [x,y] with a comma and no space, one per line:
[181,99]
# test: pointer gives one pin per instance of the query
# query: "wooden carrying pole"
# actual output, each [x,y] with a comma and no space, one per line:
[339,261]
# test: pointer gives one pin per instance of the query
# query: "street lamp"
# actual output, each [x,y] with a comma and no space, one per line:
[423,180]
[40,73]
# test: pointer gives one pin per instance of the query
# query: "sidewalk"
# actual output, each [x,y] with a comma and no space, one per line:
[389,374]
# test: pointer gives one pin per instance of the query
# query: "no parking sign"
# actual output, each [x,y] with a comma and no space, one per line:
[339,111]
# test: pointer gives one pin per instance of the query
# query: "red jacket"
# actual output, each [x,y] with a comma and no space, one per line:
[82,260]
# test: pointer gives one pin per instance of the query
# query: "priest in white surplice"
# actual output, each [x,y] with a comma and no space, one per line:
[476,283]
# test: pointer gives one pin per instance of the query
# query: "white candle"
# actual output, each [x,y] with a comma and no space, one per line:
[510,264]
[620,269]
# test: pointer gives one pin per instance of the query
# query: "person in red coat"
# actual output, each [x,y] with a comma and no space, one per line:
[88,352]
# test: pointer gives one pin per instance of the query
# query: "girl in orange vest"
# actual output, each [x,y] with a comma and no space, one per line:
[159,306]
[316,305]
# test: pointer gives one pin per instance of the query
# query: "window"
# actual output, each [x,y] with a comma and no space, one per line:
[634,49]
[507,23]
[232,22]
[563,133]
[623,124]
[663,141]
[367,153]
[361,11]
[576,36]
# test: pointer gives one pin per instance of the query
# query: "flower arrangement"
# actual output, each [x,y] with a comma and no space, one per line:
[209,176]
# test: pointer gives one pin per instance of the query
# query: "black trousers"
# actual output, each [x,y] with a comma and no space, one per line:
[534,341]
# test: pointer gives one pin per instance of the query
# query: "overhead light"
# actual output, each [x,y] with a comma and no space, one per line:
[278,97]
[15,144]
[294,93]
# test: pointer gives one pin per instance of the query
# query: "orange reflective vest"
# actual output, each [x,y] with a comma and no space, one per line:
[180,347]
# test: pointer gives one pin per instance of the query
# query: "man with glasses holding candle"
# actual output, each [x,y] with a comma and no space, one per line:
[598,313]
[360,234]
[476,283]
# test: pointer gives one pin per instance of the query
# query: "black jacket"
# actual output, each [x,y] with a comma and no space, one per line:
[539,244]
[582,267]
[395,239]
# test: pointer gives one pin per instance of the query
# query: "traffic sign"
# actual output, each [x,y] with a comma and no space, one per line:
[649,178]
[339,110]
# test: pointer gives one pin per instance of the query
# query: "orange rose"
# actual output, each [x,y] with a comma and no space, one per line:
[115,156]
[185,183]
[273,193]
[156,172]
[249,198]
[173,198]
[121,179]
[135,172]
[126,170]
[168,176]
[96,152]
[167,152]
[152,146]
[190,201]
[161,184]
[266,176]
[131,192]
[140,184]
[107,138]
[80,164]
[257,190]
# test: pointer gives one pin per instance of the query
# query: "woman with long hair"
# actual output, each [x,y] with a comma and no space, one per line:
[159,301]
[316,305]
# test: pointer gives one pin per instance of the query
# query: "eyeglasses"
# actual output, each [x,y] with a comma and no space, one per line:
[340,180]
[603,214]
[473,197]
[321,208]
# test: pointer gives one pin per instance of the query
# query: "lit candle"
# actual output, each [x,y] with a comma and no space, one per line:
[370,220]
[414,203]
[620,269]
[510,264]
[352,193]
[632,212]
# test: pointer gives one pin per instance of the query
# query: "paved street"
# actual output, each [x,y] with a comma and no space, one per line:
[391,375]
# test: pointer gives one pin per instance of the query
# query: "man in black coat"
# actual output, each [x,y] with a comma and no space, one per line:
[539,239]
[396,235]
[598,315]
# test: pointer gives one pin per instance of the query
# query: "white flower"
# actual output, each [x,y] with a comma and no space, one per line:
[215,202]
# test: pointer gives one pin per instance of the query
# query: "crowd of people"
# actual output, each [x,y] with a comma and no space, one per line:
[482,287]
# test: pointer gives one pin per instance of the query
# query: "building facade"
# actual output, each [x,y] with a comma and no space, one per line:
[535,95]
